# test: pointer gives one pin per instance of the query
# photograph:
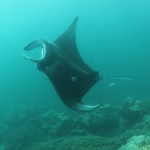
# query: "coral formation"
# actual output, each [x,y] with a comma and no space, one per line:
[34,128]
[132,111]
[86,143]
[140,142]
[102,121]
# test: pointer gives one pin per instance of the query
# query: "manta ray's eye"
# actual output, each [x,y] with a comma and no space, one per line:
[74,78]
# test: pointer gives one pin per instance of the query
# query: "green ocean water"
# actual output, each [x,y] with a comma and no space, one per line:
[113,37]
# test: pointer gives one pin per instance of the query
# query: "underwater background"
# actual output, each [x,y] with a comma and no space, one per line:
[113,37]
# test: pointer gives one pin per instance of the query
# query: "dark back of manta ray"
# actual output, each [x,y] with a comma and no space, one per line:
[71,81]
[71,84]
[69,74]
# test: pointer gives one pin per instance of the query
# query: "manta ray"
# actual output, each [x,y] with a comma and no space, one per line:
[62,64]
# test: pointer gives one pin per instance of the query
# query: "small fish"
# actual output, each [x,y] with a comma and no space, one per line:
[112,84]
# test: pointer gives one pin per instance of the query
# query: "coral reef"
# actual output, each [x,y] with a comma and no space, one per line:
[102,121]
[86,143]
[132,111]
[140,142]
[24,128]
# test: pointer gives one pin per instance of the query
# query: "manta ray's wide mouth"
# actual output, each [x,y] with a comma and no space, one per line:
[35,55]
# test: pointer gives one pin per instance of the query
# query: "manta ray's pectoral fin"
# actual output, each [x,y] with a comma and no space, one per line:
[67,42]
[78,106]
[72,84]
